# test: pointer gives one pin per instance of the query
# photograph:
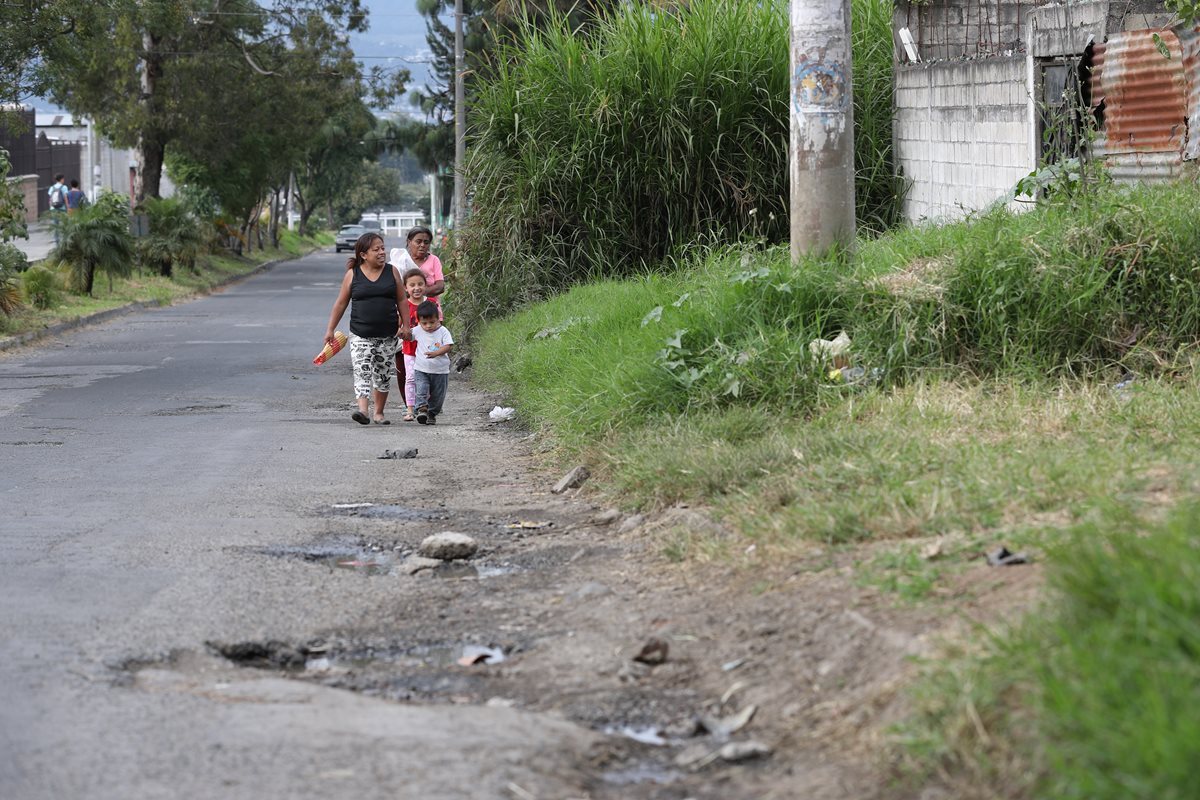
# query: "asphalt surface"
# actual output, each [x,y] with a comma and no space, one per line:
[143,464]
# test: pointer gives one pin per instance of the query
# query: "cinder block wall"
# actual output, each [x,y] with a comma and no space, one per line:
[962,134]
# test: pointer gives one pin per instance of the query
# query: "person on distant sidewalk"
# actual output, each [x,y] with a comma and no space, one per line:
[76,199]
[58,205]
[432,367]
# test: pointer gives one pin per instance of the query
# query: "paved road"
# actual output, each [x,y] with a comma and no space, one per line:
[142,462]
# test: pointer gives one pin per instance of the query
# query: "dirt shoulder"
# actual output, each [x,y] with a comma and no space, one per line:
[778,679]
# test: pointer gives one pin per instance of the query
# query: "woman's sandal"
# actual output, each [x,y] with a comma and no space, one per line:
[382,421]
[360,418]
[408,417]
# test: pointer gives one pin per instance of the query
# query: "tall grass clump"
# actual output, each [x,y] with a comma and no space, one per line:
[1093,698]
[608,153]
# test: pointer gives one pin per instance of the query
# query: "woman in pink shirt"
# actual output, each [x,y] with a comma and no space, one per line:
[415,254]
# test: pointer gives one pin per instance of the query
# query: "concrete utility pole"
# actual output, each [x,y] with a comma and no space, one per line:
[821,152]
[460,121]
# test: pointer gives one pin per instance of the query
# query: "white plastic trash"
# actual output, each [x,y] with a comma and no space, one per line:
[501,414]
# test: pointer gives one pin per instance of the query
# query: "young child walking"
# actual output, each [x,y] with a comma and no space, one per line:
[414,287]
[432,365]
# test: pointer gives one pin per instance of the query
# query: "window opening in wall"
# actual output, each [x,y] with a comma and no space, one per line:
[1063,98]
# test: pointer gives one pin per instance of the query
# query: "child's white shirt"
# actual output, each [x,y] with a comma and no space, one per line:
[432,340]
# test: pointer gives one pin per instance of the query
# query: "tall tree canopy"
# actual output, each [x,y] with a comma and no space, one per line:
[231,84]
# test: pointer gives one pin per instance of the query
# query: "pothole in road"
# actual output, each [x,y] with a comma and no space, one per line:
[364,558]
[385,511]
[367,558]
[186,410]
[432,672]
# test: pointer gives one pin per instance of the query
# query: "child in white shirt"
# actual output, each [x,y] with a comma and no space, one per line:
[432,366]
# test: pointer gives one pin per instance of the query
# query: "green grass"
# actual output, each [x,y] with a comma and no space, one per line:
[1093,697]
[1061,293]
[143,287]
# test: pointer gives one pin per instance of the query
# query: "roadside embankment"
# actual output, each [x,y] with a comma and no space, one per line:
[1022,380]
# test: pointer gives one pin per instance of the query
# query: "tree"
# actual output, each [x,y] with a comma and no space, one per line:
[157,74]
[375,186]
[27,30]
[332,160]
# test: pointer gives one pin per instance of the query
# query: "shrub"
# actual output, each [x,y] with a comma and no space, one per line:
[12,261]
[41,287]
[604,154]
[12,258]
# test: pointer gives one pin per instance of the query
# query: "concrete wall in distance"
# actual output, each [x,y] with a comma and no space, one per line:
[962,134]
[27,186]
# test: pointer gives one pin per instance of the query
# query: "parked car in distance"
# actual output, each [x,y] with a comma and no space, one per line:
[370,224]
[347,236]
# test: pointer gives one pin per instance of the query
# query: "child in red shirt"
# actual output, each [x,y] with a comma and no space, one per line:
[414,287]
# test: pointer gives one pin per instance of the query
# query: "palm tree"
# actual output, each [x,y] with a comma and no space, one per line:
[97,238]
[175,236]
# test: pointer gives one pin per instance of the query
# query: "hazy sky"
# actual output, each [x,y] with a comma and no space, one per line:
[396,38]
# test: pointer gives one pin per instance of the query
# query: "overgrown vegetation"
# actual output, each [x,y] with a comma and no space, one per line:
[1065,291]
[604,154]
[176,236]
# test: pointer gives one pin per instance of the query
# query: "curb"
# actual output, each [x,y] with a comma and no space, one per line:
[102,316]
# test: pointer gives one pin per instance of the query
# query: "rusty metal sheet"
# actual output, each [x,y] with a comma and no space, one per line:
[1145,104]
[1189,39]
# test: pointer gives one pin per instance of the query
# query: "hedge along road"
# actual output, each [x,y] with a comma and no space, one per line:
[159,472]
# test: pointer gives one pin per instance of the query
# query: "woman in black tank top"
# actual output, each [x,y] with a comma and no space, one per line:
[375,294]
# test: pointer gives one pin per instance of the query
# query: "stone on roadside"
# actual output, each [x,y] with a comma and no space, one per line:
[574,478]
[606,517]
[448,546]
[414,564]
[631,523]
[743,751]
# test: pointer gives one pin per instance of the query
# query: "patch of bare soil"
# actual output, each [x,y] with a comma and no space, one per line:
[760,680]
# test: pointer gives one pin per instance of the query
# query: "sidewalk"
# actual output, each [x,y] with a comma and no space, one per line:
[40,241]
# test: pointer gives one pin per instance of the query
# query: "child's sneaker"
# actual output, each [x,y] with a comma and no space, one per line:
[422,415]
